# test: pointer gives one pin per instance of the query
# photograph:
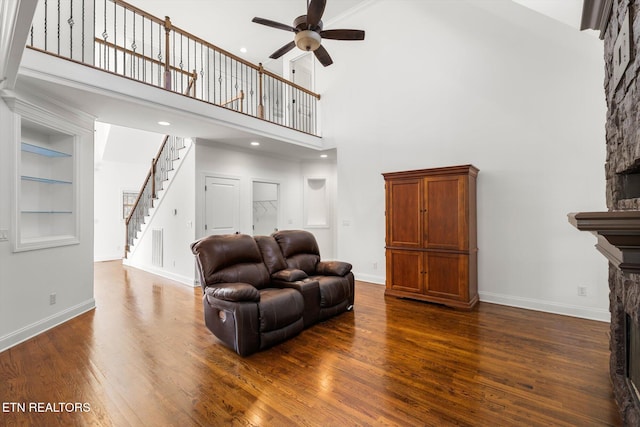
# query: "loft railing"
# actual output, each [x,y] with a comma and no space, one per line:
[120,38]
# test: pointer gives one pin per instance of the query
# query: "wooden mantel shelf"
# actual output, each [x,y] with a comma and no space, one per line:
[618,236]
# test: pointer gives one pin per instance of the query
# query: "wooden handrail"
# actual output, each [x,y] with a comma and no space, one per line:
[239,97]
[138,11]
[243,61]
[170,27]
[144,57]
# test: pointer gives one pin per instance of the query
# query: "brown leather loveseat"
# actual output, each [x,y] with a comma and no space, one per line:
[264,290]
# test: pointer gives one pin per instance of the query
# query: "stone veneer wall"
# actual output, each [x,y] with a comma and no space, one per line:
[623,155]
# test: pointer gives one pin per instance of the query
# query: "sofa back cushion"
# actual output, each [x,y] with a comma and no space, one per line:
[271,253]
[299,249]
[229,259]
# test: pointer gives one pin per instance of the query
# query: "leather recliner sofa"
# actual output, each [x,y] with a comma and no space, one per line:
[260,291]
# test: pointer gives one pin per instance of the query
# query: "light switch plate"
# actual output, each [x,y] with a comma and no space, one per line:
[621,51]
[4,235]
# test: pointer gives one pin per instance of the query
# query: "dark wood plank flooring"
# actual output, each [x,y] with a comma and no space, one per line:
[144,357]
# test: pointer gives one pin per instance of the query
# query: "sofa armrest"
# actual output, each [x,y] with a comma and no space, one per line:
[235,292]
[289,275]
[333,268]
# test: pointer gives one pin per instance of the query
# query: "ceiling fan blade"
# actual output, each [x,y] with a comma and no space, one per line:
[274,24]
[314,13]
[284,49]
[342,34]
[323,56]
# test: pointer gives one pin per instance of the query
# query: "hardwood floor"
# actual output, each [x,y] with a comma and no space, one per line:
[144,357]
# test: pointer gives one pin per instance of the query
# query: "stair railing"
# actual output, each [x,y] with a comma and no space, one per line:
[161,165]
[130,42]
[158,173]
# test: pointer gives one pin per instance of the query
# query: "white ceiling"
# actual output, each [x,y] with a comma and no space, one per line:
[227,23]
[566,11]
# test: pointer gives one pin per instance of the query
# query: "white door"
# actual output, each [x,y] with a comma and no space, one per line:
[222,205]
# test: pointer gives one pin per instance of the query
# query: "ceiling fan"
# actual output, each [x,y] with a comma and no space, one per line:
[309,33]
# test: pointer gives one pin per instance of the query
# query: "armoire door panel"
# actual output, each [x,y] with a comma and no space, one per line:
[447,275]
[444,226]
[405,270]
[403,210]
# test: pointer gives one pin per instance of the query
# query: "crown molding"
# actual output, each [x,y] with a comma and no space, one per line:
[595,15]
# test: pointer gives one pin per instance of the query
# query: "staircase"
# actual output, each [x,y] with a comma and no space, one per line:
[155,181]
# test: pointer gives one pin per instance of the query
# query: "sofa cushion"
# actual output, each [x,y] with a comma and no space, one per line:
[289,275]
[271,253]
[333,289]
[304,262]
[230,258]
[233,292]
[294,242]
[333,268]
[279,307]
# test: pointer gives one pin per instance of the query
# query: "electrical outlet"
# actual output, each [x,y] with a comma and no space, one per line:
[4,235]
[375,265]
[52,299]
[582,291]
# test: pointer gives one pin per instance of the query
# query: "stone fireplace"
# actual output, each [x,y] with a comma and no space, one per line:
[618,230]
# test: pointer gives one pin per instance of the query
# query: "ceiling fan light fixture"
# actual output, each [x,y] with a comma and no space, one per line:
[308,40]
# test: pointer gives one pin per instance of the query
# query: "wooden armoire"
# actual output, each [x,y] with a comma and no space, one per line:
[431,243]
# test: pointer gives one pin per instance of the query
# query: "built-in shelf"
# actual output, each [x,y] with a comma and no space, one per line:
[47,210]
[44,180]
[618,236]
[42,151]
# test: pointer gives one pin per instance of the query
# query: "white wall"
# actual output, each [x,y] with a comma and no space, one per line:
[248,166]
[28,278]
[489,83]
[174,213]
[180,212]
[123,159]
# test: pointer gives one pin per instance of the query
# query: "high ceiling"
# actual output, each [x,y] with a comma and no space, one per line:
[227,23]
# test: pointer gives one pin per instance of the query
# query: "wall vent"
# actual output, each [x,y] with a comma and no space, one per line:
[156,247]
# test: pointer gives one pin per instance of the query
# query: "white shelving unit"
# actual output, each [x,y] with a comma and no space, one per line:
[46,187]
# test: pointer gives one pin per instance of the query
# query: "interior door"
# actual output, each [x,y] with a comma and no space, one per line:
[222,205]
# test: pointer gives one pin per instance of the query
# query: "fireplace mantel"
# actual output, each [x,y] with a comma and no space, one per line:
[618,236]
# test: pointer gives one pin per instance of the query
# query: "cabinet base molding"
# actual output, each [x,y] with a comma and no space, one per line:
[461,305]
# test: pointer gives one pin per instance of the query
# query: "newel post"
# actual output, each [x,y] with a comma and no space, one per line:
[260,106]
[153,178]
[167,50]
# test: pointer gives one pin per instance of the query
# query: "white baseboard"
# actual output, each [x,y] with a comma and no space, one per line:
[547,306]
[601,315]
[30,331]
[378,280]
[103,258]
[183,280]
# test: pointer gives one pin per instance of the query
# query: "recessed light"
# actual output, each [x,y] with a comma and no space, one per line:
[162,123]
[255,143]
[324,156]
[243,49]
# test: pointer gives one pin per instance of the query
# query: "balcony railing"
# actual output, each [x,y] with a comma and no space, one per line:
[120,38]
